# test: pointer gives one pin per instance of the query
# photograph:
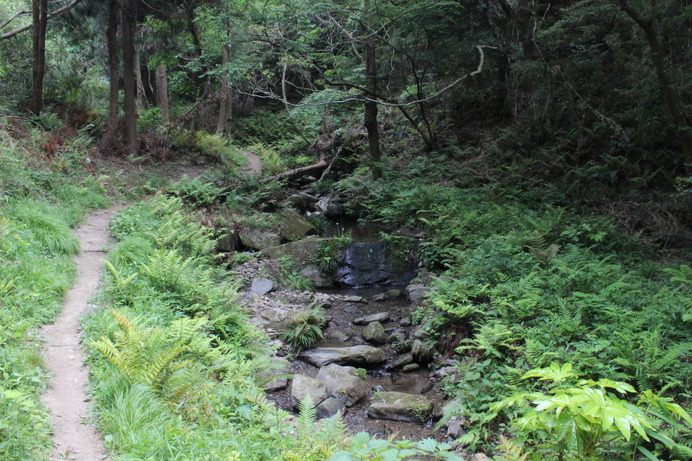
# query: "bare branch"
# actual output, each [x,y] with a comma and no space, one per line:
[51,15]
[382,101]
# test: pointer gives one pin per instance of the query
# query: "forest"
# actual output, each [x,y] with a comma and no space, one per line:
[351,230]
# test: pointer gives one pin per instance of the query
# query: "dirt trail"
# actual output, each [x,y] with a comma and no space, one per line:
[74,437]
[254,163]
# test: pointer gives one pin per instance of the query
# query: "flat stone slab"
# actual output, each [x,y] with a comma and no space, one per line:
[399,406]
[379,317]
[352,355]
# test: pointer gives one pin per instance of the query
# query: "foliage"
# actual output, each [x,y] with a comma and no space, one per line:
[305,329]
[363,447]
[330,254]
[586,420]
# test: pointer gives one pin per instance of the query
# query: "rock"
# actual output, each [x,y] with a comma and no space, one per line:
[275,315]
[328,207]
[340,336]
[314,274]
[417,292]
[444,372]
[301,252]
[422,353]
[351,310]
[352,355]
[261,286]
[355,299]
[343,383]
[398,406]
[280,367]
[405,322]
[329,408]
[479,457]
[379,317]
[230,239]
[304,386]
[402,361]
[259,240]
[374,333]
[386,296]
[323,299]
[301,201]
[294,226]
[455,427]
[364,265]
[410,367]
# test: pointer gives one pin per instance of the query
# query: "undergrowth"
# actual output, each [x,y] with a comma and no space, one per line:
[533,281]
[39,203]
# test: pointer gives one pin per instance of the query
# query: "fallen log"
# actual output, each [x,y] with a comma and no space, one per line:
[314,168]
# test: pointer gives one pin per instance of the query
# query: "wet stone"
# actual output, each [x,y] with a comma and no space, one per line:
[399,406]
[379,317]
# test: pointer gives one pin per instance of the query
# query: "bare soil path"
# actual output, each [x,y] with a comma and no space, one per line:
[75,438]
[254,163]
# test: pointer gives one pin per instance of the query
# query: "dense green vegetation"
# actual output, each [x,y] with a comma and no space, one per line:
[540,151]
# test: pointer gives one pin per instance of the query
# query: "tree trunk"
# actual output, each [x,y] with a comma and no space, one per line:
[657,53]
[224,124]
[162,101]
[138,79]
[128,34]
[38,67]
[370,107]
[114,73]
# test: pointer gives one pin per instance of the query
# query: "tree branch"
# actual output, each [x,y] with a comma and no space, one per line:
[21,29]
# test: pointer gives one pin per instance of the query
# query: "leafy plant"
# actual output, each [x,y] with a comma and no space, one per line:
[582,421]
[305,329]
[363,447]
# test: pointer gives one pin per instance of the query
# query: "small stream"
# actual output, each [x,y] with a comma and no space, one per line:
[367,275]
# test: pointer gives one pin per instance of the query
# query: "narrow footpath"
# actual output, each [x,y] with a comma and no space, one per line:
[74,436]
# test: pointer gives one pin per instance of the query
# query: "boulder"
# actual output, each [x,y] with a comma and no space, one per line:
[343,383]
[301,201]
[301,252]
[278,371]
[364,265]
[261,286]
[374,333]
[259,240]
[417,292]
[410,367]
[314,274]
[422,353]
[399,406]
[329,408]
[402,361]
[379,317]
[294,226]
[352,355]
[304,386]
[455,427]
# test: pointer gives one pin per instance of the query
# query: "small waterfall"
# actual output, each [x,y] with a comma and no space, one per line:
[364,265]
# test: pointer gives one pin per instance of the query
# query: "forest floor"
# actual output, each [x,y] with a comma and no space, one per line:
[75,437]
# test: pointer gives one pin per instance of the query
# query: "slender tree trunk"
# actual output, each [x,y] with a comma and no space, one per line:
[114,73]
[129,80]
[139,84]
[657,53]
[38,68]
[162,101]
[224,124]
[370,107]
